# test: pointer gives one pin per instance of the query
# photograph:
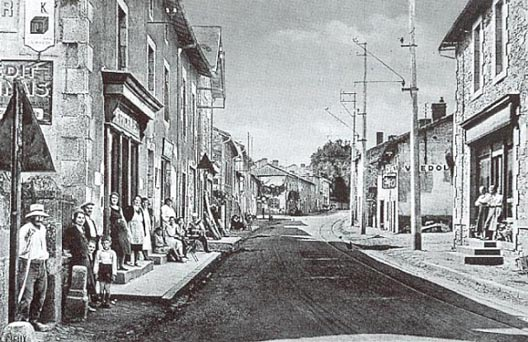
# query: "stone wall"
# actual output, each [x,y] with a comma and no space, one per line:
[494,88]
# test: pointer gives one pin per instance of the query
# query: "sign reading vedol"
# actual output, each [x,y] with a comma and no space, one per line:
[37,78]
[39,24]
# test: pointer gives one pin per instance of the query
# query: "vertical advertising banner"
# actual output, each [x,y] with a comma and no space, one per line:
[37,78]
[39,24]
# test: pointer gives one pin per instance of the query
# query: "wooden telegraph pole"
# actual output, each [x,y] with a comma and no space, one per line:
[364,188]
[416,216]
[16,190]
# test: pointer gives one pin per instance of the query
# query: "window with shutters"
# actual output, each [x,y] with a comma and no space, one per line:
[501,38]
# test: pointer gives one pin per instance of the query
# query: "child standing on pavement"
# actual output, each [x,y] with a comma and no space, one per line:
[105,269]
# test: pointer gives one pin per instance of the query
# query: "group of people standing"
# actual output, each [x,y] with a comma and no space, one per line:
[490,215]
[124,237]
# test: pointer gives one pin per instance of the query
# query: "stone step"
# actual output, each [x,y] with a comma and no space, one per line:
[159,259]
[467,250]
[488,260]
[482,243]
[134,272]
[225,244]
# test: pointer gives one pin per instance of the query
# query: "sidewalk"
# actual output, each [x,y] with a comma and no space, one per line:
[500,287]
[165,281]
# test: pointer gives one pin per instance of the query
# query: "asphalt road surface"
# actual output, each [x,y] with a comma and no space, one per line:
[297,281]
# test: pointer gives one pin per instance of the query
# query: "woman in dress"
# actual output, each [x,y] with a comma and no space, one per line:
[494,213]
[76,243]
[136,227]
[171,238]
[118,230]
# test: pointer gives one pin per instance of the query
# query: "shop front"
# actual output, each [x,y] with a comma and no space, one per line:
[128,109]
[492,135]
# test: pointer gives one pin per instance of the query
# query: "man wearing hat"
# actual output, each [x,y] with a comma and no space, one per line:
[33,275]
[91,230]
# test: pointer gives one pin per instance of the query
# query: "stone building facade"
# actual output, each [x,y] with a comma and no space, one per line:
[124,94]
[488,40]
[285,192]
[393,178]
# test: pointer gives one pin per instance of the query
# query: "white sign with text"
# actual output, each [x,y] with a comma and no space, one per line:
[39,24]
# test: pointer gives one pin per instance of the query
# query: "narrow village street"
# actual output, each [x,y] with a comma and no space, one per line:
[293,280]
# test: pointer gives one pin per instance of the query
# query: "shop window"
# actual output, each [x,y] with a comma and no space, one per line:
[494,162]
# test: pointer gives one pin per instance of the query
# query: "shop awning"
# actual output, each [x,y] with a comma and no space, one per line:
[492,118]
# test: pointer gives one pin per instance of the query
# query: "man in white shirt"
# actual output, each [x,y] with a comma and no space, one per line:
[167,212]
[91,230]
[33,275]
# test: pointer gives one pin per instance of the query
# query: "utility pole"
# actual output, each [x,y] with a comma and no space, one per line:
[344,98]
[364,188]
[416,216]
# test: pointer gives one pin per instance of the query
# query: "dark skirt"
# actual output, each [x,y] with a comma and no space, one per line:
[137,247]
[120,242]
[105,273]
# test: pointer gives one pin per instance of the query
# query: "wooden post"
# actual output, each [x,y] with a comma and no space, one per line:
[364,164]
[16,191]
[416,217]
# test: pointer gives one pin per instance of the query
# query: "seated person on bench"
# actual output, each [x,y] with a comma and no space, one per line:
[196,231]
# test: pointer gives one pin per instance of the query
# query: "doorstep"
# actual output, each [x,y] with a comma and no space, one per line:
[225,244]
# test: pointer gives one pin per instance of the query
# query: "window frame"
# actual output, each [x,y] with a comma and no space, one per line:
[121,6]
[151,46]
[166,90]
[499,76]
[478,23]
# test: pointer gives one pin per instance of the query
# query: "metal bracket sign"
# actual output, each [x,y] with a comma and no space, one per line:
[39,24]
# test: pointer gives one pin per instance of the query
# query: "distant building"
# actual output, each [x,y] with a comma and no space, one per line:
[490,125]
[285,192]
[321,200]
[389,178]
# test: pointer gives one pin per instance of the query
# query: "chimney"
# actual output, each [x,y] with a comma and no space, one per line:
[275,163]
[423,122]
[379,138]
[439,109]
[303,165]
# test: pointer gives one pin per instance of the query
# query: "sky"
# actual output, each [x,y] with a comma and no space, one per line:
[287,60]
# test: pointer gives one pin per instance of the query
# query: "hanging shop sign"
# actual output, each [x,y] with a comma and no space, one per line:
[39,24]
[168,149]
[9,15]
[37,79]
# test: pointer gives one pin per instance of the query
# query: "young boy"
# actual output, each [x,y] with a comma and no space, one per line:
[96,299]
[105,269]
